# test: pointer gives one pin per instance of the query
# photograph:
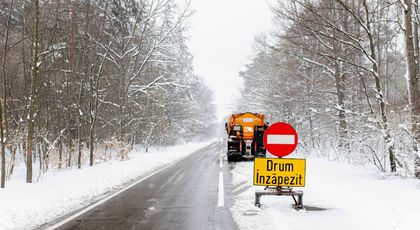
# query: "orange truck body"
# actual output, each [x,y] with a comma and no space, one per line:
[245,135]
[247,121]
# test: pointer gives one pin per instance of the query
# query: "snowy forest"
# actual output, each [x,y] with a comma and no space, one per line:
[76,75]
[345,74]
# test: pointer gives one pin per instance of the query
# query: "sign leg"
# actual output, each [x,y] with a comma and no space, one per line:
[257,200]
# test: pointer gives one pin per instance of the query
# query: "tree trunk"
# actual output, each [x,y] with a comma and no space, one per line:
[389,146]
[413,85]
[342,127]
[79,126]
[91,140]
[12,162]
[32,96]
[3,107]
[93,105]
[343,144]
[415,27]
[93,115]
[58,126]
[3,154]
[70,146]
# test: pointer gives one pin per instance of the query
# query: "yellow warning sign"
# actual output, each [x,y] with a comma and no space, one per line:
[279,172]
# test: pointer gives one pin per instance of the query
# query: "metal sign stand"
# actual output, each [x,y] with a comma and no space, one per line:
[281,191]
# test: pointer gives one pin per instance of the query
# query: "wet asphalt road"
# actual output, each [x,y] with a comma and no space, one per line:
[183,196]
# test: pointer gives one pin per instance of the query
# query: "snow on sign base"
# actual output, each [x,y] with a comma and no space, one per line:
[279,172]
[280,139]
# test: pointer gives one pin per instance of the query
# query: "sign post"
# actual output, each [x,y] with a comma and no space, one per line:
[279,175]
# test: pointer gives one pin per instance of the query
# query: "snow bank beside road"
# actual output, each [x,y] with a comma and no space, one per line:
[353,198]
[24,206]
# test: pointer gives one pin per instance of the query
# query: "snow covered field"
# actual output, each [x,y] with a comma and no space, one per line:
[24,206]
[353,197]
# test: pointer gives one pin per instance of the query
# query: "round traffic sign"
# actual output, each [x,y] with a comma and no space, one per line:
[280,139]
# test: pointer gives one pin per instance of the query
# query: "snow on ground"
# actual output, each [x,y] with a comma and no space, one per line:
[354,197]
[25,206]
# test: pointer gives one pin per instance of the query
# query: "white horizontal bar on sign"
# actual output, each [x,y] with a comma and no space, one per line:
[281,139]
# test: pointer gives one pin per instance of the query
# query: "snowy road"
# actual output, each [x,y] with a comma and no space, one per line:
[187,195]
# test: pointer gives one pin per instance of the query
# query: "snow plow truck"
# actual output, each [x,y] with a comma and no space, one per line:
[245,136]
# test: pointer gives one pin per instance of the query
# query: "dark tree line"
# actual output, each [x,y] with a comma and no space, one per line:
[78,73]
[337,71]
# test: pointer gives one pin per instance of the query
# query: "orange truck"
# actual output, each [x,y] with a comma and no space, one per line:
[245,136]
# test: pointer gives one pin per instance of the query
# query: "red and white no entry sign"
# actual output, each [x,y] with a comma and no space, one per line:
[280,139]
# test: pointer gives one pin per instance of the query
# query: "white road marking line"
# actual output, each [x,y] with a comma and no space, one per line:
[221,197]
[281,139]
[63,222]
[221,162]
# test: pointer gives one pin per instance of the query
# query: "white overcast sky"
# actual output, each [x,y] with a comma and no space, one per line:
[221,39]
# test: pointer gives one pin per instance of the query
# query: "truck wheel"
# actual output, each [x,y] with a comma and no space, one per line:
[230,158]
[239,158]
